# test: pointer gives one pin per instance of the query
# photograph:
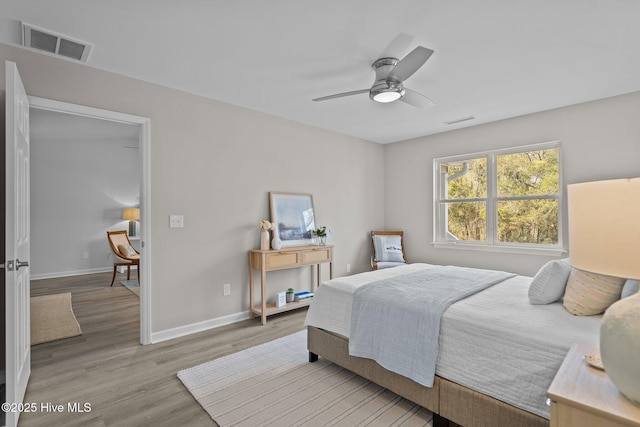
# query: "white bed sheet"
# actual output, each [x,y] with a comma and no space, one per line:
[493,342]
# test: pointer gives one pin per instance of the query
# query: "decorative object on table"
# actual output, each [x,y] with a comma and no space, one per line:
[264,226]
[302,296]
[292,217]
[321,233]
[276,243]
[290,295]
[594,360]
[281,299]
[604,232]
[132,215]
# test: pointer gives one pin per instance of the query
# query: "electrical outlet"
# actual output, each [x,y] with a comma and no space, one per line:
[176,221]
[348,268]
[226,289]
[86,255]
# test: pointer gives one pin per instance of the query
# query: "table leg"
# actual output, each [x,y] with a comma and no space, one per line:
[250,288]
[263,286]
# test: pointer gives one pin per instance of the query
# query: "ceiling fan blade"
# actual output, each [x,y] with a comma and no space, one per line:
[410,64]
[398,46]
[416,99]
[340,95]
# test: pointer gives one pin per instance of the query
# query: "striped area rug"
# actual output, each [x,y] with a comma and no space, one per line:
[274,384]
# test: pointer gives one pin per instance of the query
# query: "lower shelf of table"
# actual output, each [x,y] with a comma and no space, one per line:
[272,309]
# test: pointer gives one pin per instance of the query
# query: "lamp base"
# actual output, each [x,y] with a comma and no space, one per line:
[620,346]
[132,228]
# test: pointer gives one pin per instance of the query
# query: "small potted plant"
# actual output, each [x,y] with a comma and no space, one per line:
[290,295]
[321,234]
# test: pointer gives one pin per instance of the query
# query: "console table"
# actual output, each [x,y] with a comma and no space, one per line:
[280,259]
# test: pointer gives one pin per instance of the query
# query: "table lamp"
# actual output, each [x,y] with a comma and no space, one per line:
[604,238]
[132,215]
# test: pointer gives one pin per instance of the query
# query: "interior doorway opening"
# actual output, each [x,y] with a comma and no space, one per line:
[141,126]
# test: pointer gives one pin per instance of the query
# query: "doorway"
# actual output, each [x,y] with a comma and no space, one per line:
[142,124]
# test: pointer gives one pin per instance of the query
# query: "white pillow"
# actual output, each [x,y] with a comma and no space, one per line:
[387,248]
[630,287]
[549,282]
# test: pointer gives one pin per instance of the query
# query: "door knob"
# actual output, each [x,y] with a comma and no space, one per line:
[21,264]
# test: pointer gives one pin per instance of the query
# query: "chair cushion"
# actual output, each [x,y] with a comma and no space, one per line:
[127,251]
[387,248]
[381,265]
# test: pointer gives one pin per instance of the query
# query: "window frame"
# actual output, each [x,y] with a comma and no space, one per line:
[492,199]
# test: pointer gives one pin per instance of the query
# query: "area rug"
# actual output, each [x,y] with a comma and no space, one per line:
[52,318]
[132,285]
[274,384]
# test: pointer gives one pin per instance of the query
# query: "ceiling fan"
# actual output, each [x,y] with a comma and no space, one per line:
[390,76]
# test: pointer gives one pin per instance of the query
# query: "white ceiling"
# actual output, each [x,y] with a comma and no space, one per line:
[493,59]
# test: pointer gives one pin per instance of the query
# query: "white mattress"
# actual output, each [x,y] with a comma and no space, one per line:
[493,342]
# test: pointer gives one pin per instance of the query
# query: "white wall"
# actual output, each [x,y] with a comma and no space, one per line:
[78,190]
[600,140]
[215,164]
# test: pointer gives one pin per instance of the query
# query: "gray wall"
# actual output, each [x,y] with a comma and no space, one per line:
[600,140]
[79,187]
[215,164]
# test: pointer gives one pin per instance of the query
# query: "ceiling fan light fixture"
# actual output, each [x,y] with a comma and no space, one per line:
[385,92]
[387,96]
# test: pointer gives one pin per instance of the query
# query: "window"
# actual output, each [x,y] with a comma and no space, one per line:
[508,198]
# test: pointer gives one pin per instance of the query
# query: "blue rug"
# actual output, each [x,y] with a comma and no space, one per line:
[132,285]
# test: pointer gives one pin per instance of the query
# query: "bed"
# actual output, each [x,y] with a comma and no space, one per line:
[497,353]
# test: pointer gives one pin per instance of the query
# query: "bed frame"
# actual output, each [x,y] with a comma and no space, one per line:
[447,400]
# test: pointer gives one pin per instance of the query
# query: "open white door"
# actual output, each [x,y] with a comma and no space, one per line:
[16,266]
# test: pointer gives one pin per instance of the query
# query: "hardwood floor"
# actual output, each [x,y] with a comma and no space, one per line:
[125,383]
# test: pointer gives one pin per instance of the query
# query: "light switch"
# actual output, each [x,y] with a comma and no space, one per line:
[176,221]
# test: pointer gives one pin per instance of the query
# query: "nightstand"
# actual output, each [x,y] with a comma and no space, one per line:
[584,396]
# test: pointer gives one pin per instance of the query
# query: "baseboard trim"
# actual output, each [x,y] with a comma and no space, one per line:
[70,273]
[181,331]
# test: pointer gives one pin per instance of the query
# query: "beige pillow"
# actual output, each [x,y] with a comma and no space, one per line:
[127,251]
[588,293]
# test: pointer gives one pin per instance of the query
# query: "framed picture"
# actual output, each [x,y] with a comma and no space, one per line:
[293,217]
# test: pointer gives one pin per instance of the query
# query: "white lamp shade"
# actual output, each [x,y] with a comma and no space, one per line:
[604,236]
[604,227]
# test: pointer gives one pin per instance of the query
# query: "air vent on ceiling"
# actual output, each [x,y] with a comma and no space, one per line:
[463,119]
[57,44]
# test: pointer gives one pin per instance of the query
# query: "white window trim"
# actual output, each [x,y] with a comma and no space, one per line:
[491,245]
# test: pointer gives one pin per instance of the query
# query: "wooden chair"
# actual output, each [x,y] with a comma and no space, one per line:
[385,250]
[125,254]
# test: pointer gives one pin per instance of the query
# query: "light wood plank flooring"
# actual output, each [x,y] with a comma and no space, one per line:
[125,383]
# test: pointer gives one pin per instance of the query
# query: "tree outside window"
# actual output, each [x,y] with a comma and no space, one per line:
[507,197]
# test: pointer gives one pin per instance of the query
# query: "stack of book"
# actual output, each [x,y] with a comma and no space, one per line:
[302,296]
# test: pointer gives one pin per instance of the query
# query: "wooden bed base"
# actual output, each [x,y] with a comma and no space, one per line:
[446,399]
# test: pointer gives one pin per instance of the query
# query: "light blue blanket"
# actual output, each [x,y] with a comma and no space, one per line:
[396,321]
